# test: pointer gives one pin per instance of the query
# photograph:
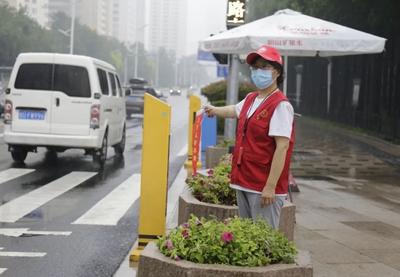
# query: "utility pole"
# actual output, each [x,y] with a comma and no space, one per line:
[72,31]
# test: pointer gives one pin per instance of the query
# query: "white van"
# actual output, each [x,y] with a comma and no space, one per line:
[62,101]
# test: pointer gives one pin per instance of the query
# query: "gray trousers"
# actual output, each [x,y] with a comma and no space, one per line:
[249,205]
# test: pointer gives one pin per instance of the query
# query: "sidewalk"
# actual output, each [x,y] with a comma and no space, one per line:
[348,208]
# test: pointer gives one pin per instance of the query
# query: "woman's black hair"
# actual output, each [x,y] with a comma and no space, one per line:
[279,68]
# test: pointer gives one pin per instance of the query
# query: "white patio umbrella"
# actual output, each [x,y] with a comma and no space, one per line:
[293,34]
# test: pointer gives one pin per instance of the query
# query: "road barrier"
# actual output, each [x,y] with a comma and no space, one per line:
[154,177]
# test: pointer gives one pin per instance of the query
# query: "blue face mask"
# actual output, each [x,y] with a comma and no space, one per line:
[262,78]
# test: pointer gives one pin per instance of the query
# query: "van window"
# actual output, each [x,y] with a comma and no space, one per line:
[35,76]
[119,86]
[113,85]
[72,80]
[103,81]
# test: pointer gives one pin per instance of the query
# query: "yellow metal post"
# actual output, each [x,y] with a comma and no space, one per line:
[154,178]
[194,106]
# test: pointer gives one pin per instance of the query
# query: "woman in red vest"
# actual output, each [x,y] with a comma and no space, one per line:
[264,139]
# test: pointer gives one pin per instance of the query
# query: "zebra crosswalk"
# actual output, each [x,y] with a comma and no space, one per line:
[107,211]
[111,208]
[13,173]
[23,205]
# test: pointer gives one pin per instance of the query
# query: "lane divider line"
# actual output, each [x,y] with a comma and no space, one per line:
[17,232]
[22,254]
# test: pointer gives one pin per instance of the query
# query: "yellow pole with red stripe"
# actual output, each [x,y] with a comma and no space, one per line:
[194,107]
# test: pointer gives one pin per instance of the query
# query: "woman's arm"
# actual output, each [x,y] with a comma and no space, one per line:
[278,163]
[225,112]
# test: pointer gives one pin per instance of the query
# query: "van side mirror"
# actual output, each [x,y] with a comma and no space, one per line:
[8,91]
[97,95]
[127,92]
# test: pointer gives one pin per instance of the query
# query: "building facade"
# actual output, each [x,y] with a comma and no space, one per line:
[166,21]
[155,23]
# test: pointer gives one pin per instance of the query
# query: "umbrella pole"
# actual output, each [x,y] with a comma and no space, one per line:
[232,94]
[328,91]
[285,67]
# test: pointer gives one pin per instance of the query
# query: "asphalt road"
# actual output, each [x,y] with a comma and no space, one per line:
[63,217]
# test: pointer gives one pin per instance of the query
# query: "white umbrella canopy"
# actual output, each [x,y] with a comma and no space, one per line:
[294,34]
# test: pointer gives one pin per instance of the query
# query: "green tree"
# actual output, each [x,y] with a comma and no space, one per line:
[257,9]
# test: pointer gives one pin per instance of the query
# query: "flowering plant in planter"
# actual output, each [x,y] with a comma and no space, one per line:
[214,188]
[236,241]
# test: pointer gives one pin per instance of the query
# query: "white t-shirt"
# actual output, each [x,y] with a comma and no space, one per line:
[281,120]
[280,125]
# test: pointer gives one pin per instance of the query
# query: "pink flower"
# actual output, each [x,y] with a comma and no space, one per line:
[185,233]
[169,244]
[210,172]
[186,225]
[177,258]
[227,237]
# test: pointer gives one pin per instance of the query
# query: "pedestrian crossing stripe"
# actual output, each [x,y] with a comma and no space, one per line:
[110,209]
[13,173]
[23,205]
[2,270]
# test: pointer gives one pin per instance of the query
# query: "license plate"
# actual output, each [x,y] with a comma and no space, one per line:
[31,115]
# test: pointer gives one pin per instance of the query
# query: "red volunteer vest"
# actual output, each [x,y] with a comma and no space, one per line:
[254,148]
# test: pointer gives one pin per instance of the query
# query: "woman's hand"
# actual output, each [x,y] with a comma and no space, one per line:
[267,196]
[210,110]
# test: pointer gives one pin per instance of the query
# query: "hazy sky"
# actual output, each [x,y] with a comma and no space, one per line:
[205,17]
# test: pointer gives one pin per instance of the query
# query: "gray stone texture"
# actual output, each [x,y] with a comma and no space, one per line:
[190,205]
[154,264]
[214,154]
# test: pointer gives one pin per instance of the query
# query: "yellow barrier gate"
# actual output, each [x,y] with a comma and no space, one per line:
[194,106]
[154,178]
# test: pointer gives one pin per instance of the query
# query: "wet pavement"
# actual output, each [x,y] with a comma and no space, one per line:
[348,210]
[348,207]
[62,216]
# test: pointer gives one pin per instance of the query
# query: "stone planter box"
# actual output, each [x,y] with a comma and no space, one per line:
[189,205]
[214,154]
[153,263]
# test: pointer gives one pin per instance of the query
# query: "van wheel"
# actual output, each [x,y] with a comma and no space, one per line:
[119,148]
[100,155]
[19,154]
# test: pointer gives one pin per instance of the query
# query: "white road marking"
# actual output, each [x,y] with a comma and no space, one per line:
[110,209]
[9,232]
[183,151]
[173,195]
[21,206]
[1,135]
[12,173]
[2,270]
[22,254]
